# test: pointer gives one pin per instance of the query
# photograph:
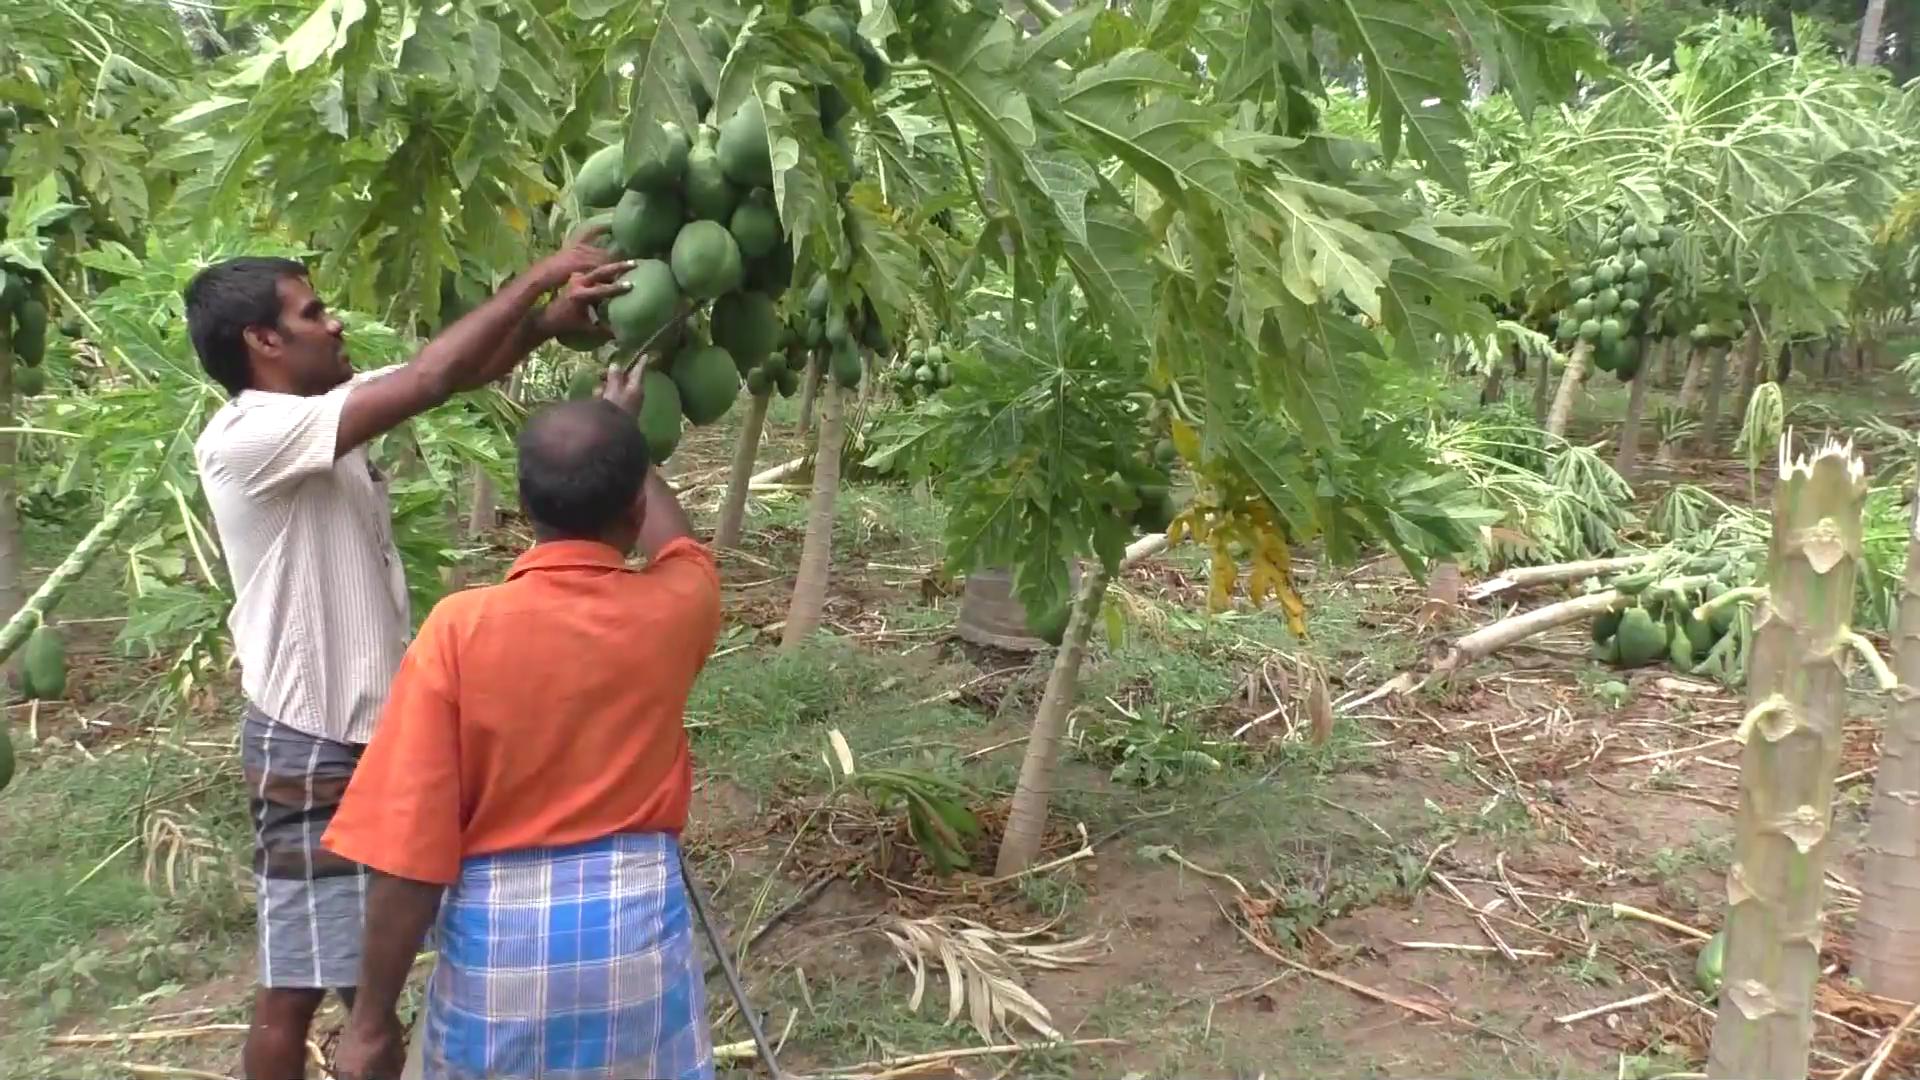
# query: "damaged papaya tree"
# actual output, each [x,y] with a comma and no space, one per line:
[1791,733]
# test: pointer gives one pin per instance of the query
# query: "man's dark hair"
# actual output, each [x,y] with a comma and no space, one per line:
[223,301]
[581,465]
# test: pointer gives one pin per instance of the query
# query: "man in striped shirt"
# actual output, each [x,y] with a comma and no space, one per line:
[320,617]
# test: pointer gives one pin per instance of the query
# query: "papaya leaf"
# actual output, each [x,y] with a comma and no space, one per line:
[1415,81]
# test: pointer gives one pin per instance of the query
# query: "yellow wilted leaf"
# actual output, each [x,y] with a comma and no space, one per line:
[1225,573]
[515,218]
[1186,441]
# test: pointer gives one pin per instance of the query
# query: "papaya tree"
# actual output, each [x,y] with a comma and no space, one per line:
[1887,945]
[1210,226]
[1796,690]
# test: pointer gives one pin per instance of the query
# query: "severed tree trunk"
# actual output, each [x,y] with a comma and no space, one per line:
[1796,694]
[10,547]
[733,511]
[1871,24]
[1562,410]
[809,601]
[1886,942]
[1716,396]
[1627,455]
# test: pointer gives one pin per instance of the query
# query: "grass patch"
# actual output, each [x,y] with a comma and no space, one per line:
[761,716]
[81,923]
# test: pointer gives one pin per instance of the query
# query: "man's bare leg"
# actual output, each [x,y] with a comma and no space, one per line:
[277,1039]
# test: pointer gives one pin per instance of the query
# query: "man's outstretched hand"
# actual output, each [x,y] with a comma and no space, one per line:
[571,310]
[623,388]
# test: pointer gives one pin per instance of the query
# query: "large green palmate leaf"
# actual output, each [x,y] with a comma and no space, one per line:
[1415,80]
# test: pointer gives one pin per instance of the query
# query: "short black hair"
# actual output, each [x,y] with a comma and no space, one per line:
[581,465]
[225,299]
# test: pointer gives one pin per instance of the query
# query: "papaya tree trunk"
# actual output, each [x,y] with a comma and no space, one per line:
[1691,385]
[1495,384]
[1627,456]
[1694,381]
[43,600]
[1027,818]
[1752,351]
[10,548]
[1562,411]
[1886,942]
[733,511]
[484,514]
[1542,389]
[1871,23]
[1796,694]
[1716,397]
[809,390]
[816,552]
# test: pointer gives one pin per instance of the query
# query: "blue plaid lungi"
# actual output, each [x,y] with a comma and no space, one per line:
[567,964]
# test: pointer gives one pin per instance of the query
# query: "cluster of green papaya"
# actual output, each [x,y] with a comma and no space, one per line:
[23,310]
[698,213]
[23,321]
[842,332]
[1661,625]
[923,371]
[1714,333]
[1612,306]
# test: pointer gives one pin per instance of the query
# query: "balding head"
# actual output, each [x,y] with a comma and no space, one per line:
[581,467]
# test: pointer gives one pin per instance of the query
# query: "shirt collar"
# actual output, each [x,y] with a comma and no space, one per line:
[567,555]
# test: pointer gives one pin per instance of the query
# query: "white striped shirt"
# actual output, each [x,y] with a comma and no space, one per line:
[320,617]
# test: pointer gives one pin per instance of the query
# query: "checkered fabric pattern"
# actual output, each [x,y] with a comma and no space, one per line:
[311,905]
[568,964]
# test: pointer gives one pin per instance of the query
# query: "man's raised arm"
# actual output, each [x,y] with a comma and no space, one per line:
[484,344]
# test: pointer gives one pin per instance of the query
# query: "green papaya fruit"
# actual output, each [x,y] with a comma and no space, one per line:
[30,332]
[43,664]
[659,418]
[601,179]
[845,364]
[1641,638]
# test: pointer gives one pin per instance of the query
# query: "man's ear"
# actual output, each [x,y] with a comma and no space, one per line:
[261,338]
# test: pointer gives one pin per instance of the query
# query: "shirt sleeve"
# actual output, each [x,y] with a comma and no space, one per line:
[278,439]
[402,811]
[686,571]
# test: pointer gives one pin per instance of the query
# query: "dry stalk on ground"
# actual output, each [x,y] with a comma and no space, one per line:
[982,967]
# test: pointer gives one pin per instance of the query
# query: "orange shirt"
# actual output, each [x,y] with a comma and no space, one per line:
[546,710]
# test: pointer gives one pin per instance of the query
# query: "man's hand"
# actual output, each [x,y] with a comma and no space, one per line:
[623,388]
[571,312]
[581,255]
[371,1048]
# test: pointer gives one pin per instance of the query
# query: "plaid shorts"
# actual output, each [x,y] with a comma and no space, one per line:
[311,905]
[568,964]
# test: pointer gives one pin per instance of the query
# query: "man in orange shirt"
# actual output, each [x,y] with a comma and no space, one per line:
[529,780]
